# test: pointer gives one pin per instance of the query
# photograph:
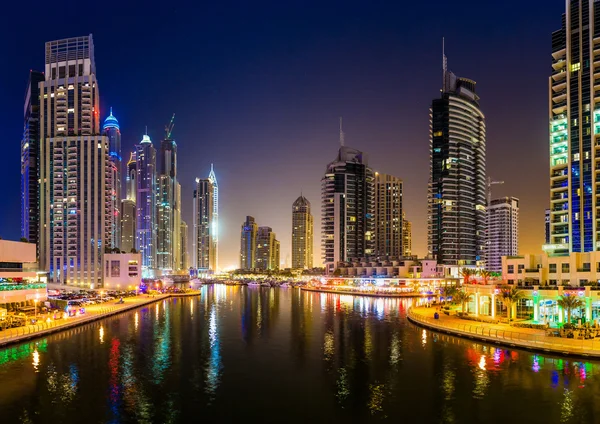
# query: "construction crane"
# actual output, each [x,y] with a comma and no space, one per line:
[169,128]
[490,183]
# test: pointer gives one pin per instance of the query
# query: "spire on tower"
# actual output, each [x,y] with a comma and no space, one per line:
[444,64]
[341,133]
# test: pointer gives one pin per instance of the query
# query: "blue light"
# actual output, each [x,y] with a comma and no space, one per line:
[110,122]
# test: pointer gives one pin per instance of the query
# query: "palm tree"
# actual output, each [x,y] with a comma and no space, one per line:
[466,274]
[485,275]
[448,291]
[510,296]
[568,303]
[461,297]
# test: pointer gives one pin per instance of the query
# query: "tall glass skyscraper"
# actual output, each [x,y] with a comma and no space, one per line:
[215,216]
[130,181]
[574,114]
[348,209]
[146,204]
[457,174]
[248,243]
[302,234]
[30,172]
[112,131]
[388,216]
[203,213]
[75,182]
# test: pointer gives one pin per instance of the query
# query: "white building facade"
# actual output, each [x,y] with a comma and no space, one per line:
[503,231]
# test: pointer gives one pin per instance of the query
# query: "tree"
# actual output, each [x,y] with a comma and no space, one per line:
[448,291]
[133,250]
[485,275]
[461,297]
[24,240]
[568,303]
[510,296]
[466,274]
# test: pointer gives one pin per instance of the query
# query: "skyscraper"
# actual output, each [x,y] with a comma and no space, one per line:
[128,216]
[215,218]
[302,234]
[267,249]
[574,115]
[131,177]
[348,208]
[146,204]
[388,215]
[75,183]
[111,130]
[203,213]
[406,237]
[457,178]
[30,172]
[184,242]
[503,231]
[248,244]
[164,223]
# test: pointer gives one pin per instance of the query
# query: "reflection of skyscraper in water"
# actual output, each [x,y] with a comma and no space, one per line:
[213,363]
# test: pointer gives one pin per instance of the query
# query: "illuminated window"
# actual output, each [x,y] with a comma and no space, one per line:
[437,134]
[575,157]
[575,67]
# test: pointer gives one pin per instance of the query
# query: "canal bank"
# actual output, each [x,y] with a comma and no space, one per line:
[503,334]
[401,295]
[93,313]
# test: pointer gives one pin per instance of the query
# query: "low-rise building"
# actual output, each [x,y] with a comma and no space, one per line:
[122,271]
[19,279]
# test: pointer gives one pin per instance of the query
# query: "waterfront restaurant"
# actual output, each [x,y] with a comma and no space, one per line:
[543,279]
[19,279]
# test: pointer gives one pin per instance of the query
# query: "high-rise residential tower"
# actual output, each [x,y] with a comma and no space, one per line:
[183,233]
[248,244]
[388,215]
[164,223]
[30,172]
[128,216]
[574,115]
[75,183]
[302,234]
[215,218]
[112,131]
[145,239]
[267,249]
[503,231]
[204,253]
[348,208]
[131,177]
[457,174]
[406,237]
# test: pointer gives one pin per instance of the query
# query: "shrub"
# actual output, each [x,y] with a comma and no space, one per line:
[530,325]
[568,326]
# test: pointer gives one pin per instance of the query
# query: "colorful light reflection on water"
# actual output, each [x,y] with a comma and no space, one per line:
[240,353]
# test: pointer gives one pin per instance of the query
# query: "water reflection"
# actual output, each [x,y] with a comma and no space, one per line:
[358,357]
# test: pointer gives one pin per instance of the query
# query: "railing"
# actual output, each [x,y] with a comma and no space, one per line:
[530,340]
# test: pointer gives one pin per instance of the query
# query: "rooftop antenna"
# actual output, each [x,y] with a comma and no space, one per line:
[341,133]
[146,129]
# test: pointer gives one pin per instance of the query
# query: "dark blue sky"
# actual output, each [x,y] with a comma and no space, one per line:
[257,88]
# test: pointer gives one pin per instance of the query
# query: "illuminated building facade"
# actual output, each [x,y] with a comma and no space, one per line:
[184,249]
[388,215]
[457,181]
[30,147]
[145,239]
[75,182]
[348,209]
[112,131]
[248,244]
[503,231]
[574,115]
[131,177]
[267,249]
[203,212]
[302,234]
[128,216]
[215,216]
[406,236]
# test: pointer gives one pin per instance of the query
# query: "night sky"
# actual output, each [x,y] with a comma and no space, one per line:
[257,88]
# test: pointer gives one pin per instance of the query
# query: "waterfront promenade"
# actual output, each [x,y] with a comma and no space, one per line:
[503,334]
[92,313]
[364,292]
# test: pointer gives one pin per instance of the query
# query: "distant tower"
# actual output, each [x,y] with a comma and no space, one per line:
[184,250]
[388,215]
[267,249]
[131,177]
[128,216]
[215,216]
[146,204]
[503,231]
[248,244]
[203,215]
[406,237]
[457,180]
[302,234]
[348,208]
[112,131]
[30,171]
